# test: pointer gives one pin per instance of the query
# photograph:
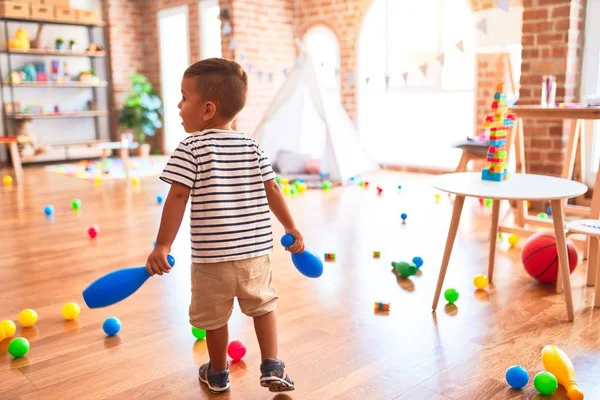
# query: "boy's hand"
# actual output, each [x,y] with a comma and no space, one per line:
[298,246]
[157,261]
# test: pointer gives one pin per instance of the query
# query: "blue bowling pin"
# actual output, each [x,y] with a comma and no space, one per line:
[117,285]
[306,262]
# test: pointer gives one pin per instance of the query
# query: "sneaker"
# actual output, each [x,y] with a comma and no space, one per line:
[273,376]
[217,381]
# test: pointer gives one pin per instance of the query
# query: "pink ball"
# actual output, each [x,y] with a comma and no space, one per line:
[236,350]
[93,231]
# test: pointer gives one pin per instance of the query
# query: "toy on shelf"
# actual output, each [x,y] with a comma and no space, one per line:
[21,40]
[330,257]
[498,122]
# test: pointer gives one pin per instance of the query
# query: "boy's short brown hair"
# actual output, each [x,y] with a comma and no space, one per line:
[221,81]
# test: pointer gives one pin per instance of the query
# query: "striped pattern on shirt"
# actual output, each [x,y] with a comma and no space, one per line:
[230,216]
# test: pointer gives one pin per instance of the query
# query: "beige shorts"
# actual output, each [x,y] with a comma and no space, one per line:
[214,285]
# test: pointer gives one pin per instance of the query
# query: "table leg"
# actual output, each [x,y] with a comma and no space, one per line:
[459,201]
[493,236]
[593,263]
[16,161]
[563,259]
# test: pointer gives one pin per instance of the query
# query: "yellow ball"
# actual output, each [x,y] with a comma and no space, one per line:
[9,328]
[437,197]
[513,239]
[71,311]
[135,180]
[480,281]
[7,180]
[28,317]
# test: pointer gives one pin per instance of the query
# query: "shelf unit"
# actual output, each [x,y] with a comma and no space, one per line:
[10,119]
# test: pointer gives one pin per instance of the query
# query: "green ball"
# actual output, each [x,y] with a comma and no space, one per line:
[18,347]
[199,334]
[76,204]
[545,383]
[488,202]
[543,215]
[451,295]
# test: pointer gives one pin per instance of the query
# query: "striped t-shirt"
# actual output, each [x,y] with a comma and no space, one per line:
[226,172]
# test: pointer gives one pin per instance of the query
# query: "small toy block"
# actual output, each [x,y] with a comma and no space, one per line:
[500,87]
[330,257]
[376,254]
[379,190]
[494,105]
[498,143]
[381,306]
[486,175]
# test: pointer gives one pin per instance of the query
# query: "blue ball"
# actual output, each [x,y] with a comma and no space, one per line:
[418,261]
[111,326]
[517,377]
[403,216]
[549,210]
[159,199]
[171,260]
[399,187]
[49,210]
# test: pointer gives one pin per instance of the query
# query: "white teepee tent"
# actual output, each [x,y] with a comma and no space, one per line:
[306,120]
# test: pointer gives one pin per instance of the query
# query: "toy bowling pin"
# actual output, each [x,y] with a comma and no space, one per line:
[117,285]
[559,364]
[306,262]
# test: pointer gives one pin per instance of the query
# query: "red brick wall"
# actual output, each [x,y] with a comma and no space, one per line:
[126,57]
[490,70]
[552,40]
[264,33]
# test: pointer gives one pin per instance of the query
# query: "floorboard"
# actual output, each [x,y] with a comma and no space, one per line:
[334,345]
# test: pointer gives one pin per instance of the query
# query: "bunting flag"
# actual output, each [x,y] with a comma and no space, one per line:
[460,46]
[270,76]
[242,57]
[405,76]
[423,69]
[350,78]
[285,72]
[232,44]
[250,67]
[367,80]
[226,28]
[322,64]
[440,58]
[260,74]
[387,82]
[502,4]
[482,26]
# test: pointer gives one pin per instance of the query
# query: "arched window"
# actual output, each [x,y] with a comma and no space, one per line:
[322,45]
[415,84]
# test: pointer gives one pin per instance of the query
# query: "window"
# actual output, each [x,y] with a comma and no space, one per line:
[414,121]
[210,29]
[590,85]
[321,44]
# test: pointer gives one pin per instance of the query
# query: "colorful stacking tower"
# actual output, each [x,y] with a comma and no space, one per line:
[498,122]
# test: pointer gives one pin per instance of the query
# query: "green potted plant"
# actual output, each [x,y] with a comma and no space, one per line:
[59,43]
[141,114]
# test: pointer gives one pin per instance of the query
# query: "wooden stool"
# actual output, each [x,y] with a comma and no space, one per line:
[590,228]
[13,147]
[471,150]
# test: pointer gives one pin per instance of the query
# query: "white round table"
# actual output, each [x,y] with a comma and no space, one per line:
[517,187]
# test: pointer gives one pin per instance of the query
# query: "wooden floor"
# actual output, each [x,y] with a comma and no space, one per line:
[333,343]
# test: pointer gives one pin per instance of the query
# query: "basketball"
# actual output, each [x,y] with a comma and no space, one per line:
[540,257]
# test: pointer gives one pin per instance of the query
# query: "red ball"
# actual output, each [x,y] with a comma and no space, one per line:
[93,231]
[236,350]
[540,257]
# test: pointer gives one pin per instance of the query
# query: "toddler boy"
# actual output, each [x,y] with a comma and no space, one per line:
[233,189]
